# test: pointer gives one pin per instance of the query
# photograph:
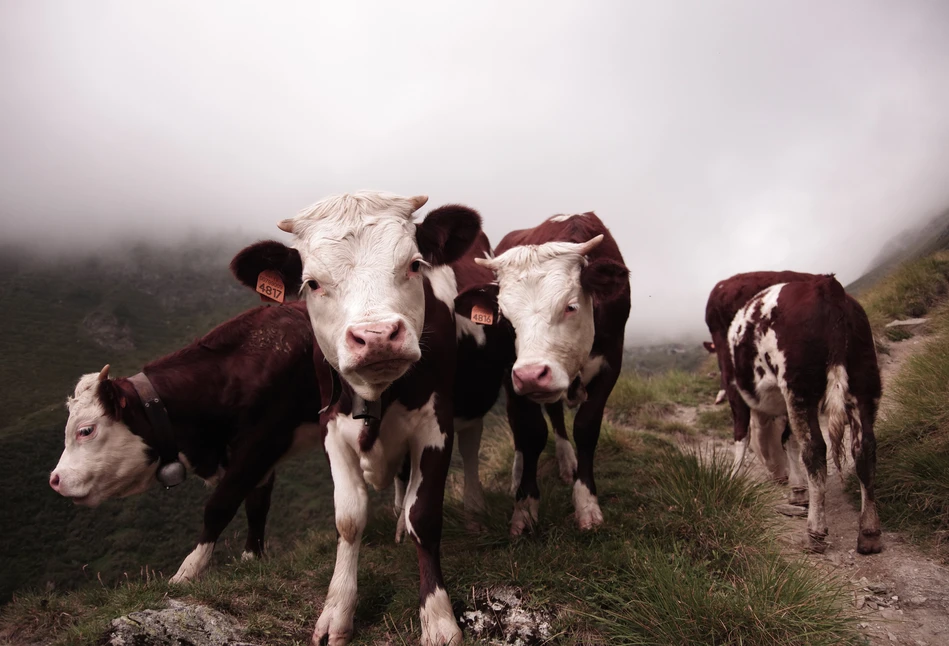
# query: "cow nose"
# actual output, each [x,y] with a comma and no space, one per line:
[375,338]
[532,378]
[54,481]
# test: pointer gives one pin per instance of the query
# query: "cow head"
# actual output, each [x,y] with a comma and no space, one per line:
[546,292]
[103,459]
[359,261]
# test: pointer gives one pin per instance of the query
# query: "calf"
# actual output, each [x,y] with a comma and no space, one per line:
[805,350]
[229,406]
[381,304]
[563,292]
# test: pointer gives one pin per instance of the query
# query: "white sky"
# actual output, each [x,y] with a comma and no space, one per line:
[711,136]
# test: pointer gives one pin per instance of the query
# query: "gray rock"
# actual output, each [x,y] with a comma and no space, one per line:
[179,624]
[906,323]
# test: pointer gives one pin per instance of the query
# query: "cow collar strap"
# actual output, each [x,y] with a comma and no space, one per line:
[170,470]
[370,412]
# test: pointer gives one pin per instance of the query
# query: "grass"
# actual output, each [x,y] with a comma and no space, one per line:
[686,555]
[913,442]
[716,419]
[909,291]
[637,399]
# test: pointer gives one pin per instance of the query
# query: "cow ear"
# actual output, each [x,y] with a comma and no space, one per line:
[446,233]
[269,255]
[112,397]
[604,279]
[479,303]
[709,345]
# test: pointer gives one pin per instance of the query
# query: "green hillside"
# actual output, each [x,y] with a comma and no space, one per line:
[68,317]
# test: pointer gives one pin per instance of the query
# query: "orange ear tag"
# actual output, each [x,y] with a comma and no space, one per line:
[482,316]
[270,287]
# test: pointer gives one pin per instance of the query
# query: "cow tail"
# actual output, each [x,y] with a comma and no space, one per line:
[838,401]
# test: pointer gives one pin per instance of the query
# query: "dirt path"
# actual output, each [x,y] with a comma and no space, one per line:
[902,594]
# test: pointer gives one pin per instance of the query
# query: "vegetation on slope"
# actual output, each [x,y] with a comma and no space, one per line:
[913,442]
[686,555]
[909,292]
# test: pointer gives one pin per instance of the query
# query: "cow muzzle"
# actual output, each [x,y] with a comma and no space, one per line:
[380,349]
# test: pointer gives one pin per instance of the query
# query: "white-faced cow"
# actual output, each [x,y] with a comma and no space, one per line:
[804,350]
[383,315]
[563,292]
[229,407]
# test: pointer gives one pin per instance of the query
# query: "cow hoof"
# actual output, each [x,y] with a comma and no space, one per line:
[474,526]
[438,621]
[815,543]
[525,515]
[332,629]
[247,555]
[589,518]
[179,579]
[870,542]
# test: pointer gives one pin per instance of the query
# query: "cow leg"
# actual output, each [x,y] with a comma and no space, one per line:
[797,477]
[869,539]
[468,432]
[398,504]
[766,441]
[530,436]
[586,433]
[805,425]
[566,457]
[431,456]
[335,625]
[256,506]
[741,419]
[248,468]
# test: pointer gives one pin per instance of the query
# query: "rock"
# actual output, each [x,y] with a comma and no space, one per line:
[180,623]
[861,601]
[501,616]
[878,588]
[906,323]
[917,600]
[791,510]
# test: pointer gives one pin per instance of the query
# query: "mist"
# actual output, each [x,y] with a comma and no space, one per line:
[712,138]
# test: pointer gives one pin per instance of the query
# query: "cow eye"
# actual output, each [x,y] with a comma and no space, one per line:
[416,266]
[86,431]
[312,284]
[572,307]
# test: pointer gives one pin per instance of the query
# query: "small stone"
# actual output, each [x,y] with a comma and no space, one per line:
[878,588]
[917,600]
[861,601]
[895,597]
[891,637]
[873,605]
[863,625]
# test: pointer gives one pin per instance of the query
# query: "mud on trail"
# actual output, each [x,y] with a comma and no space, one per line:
[901,594]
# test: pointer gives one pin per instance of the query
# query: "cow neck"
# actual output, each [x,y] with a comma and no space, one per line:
[170,470]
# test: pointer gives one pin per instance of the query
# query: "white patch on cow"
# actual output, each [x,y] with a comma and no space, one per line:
[398,507]
[468,432]
[593,366]
[248,556]
[195,565]
[464,326]
[526,513]
[423,432]
[564,218]
[359,248]
[765,433]
[517,471]
[113,462]
[566,459]
[769,365]
[444,284]
[797,476]
[438,621]
[720,397]
[537,283]
[586,507]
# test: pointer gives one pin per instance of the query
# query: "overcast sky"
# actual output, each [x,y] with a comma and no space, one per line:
[712,137]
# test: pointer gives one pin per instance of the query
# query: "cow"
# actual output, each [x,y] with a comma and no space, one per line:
[562,292]
[804,349]
[227,407]
[380,296]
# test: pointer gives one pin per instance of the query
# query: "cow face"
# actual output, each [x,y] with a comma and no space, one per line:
[359,261]
[103,459]
[547,293]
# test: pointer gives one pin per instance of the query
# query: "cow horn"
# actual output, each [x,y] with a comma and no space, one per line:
[418,202]
[584,248]
[286,225]
[104,373]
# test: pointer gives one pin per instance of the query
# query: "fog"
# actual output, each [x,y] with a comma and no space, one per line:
[712,137]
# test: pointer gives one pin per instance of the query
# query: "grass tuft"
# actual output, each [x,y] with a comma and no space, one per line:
[636,398]
[909,292]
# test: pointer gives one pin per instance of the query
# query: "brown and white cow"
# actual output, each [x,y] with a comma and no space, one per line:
[804,350]
[230,406]
[562,291]
[381,304]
